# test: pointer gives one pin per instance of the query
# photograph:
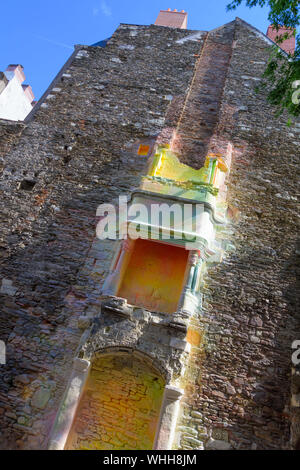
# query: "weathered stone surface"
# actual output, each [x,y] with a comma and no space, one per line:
[79,149]
[7,287]
[250,317]
[214,444]
[41,398]
[83,322]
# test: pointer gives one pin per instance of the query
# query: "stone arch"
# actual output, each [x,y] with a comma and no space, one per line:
[120,405]
[153,362]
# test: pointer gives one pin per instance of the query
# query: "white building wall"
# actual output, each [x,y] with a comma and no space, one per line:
[15,102]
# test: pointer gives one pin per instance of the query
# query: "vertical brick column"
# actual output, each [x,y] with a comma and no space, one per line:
[201,109]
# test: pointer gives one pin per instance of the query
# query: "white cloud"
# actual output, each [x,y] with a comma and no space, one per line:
[106,10]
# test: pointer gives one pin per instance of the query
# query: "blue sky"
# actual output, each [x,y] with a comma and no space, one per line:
[40,34]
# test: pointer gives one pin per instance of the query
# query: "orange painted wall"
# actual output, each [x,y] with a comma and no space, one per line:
[120,406]
[154,276]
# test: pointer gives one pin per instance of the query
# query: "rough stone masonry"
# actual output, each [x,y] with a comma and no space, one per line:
[78,148]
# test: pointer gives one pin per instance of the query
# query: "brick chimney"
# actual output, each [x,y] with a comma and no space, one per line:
[28,92]
[172,18]
[15,70]
[289,44]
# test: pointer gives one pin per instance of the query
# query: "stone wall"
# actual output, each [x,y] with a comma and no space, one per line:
[10,131]
[238,384]
[78,149]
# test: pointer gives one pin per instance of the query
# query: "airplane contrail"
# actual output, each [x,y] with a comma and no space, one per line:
[60,44]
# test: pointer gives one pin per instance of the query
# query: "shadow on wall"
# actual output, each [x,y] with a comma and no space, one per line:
[255,387]
[292,296]
[41,266]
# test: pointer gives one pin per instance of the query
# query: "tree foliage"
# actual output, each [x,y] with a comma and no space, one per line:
[281,79]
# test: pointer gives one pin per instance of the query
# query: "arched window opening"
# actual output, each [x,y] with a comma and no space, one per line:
[120,406]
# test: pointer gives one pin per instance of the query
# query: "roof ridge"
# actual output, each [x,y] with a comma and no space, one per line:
[237,19]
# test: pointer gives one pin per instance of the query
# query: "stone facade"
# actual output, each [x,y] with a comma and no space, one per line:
[79,148]
[241,367]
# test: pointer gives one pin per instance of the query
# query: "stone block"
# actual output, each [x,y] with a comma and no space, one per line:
[40,398]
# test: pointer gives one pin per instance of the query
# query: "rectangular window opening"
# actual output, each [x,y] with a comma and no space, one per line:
[154,276]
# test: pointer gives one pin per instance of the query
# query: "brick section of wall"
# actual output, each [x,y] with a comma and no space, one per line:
[120,406]
[288,45]
[239,376]
[79,150]
[200,111]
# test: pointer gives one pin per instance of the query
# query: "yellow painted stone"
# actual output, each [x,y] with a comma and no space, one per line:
[120,406]
[167,165]
[193,337]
